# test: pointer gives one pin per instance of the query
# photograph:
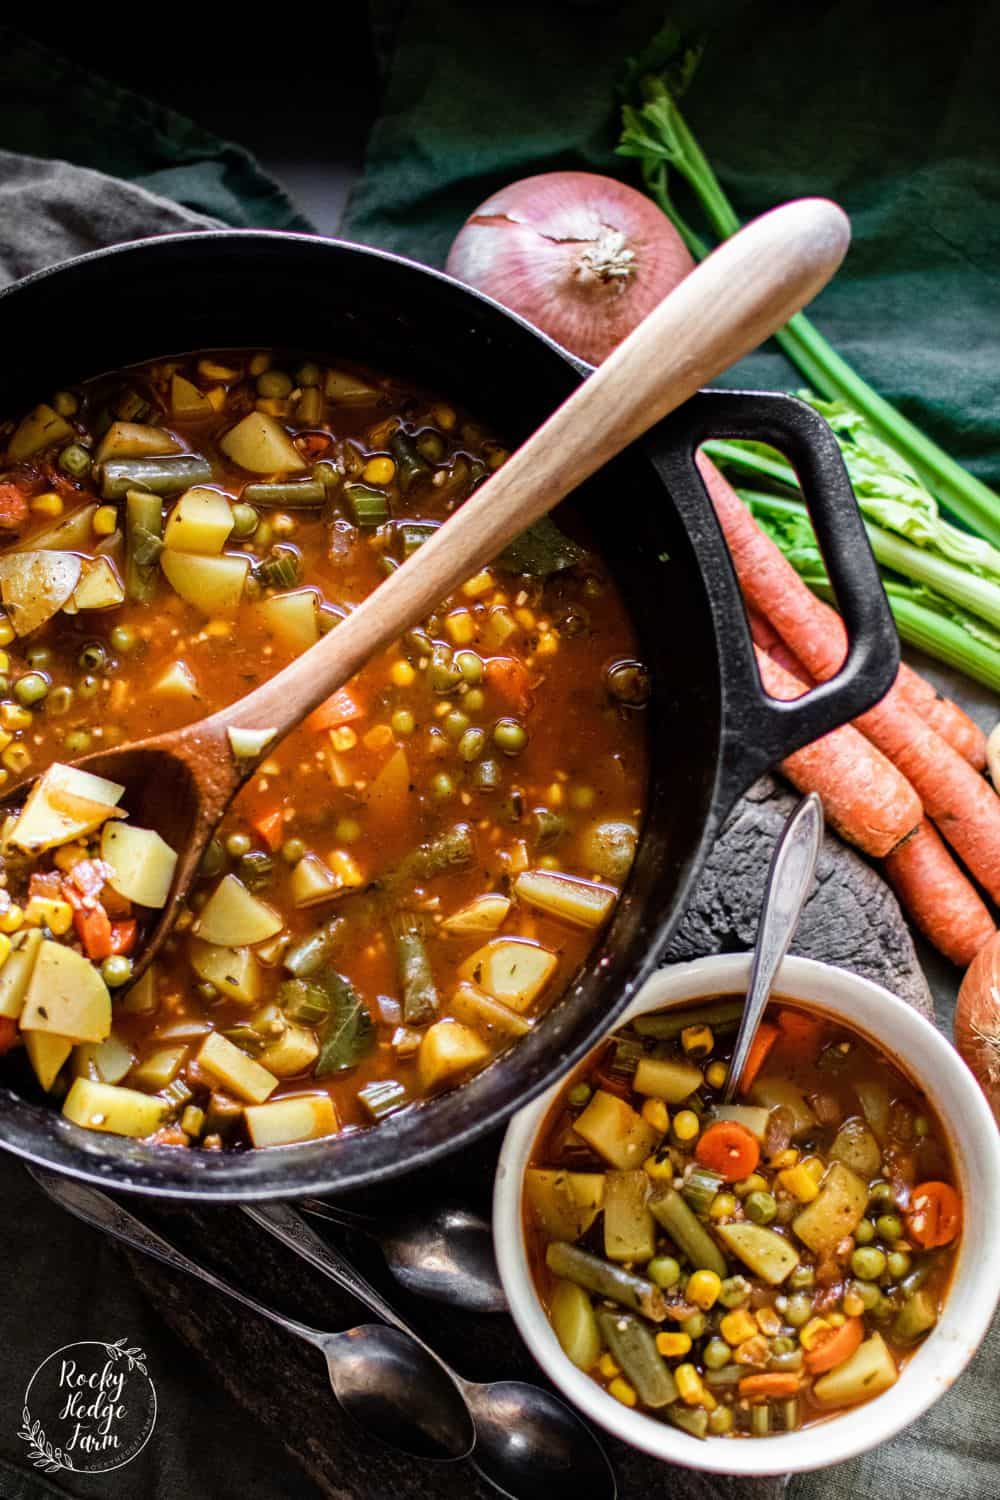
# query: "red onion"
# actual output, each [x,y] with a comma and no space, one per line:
[583,257]
[977,1021]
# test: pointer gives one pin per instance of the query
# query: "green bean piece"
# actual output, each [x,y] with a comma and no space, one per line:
[420,996]
[488,776]
[383,1097]
[791,1414]
[369,507]
[916,1317]
[295,494]
[633,1346]
[692,1419]
[280,570]
[789,1359]
[74,460]
[760,1420]
[700,1187]
[131,407]
[303,1002]
[606,1280]
[665,1027]
[309,955]
[915,1279]
[413,534]
[724,1378]
[548,826]
[143,544]
[687,1233]
[410,466]
[160,476]
[448,850]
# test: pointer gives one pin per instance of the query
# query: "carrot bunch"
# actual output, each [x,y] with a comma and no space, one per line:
[905,779]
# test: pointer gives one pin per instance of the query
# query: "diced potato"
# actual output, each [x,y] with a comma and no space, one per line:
[582,902]
[16,972]
[99,586]
[873,1095]
[485,1014]
[390,794]
[234,971]
[212,584]
[141,998]
[186,400]
[64,804]
[294,1052]
[514,971]
[118,1111]
[235,1070]
[608,849]
[340,386]
[837,1211]
[35,586]
[448,1049]
[47,1053]
[767,1253]
[778,1093]
[667,1078]
[616,1131]
[200,522]
[482,915]
[142,864]
[870,1370]
[72,533]
[66,996]
[135,440]
[107,1061]
[303,1117]
[178,682]
[292,619]
[574,1323]
[158,1069]
[36,431]
[312,882]
[234,918]
[856,1146]
[751,1118]
[565,1204]
[629,1226]
[261,445]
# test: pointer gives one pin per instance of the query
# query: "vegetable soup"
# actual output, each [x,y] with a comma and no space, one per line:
[409,879]
[741,1270]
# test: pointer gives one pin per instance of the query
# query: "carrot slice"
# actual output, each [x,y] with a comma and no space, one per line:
[123,935]
[271,827]
[834,1347]
[773,1383]
[93,926]
[339,708]
[935,1214]
[800,1035]
[765,1039]
[8,1034]
[729,1149]
[509,680]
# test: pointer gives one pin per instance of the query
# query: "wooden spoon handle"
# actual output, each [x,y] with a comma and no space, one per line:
[728,305]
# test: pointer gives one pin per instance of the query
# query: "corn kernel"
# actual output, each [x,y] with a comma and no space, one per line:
[259,363]
[659,1171]
[814,1330]
[697,1041]
[7,631]
[654,1112]
[622,1391]
[525,618]
[606,1366]
[689,1385]
[800,1182]
[703,1289]
[548,643]
[5,739]
[49,504]
[481,583]
[443,416]
[814,1166]
[12,919]
[42,911]
[402,673]
[211,369]
[853,1305]
[379,471]
[343,738]
[217,630]
[461,626]
[14,717]
[737,1326]
[5,946]
[672,1345]
[16,758]
[786,1158]
[686,1125]
[768,1321]
[68,856]
[379,737]
[105,520]
[345,867]
[752,1351]
[216,397]
[4,662]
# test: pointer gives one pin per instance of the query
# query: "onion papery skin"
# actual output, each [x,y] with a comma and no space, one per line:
[977,1021]
[581,256]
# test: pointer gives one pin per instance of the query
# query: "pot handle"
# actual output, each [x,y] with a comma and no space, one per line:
[759,731]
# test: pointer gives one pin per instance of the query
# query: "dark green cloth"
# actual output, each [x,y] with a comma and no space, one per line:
[890,110]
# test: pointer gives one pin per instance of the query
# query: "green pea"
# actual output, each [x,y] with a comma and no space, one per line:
[65,403]
[868,1263]
[74,460]
[238,844]
[735,1291]
[880,1195]
[245,520]
[802,1277]
[309,374]
[442,787]
[799,1310]
[716,1353]
[442,673]
[663,1271]
[292,850]
[77,742]
[403,723]
[890,1227]
[455,724]
[474,700]
[93,657]
[868,1292]
[898,1264]
[116,970]
[720,1421]
[578,1096]
[509,736]
[89,686]
[864,1233]
[760,1207]
[274,384]
[472,744]
[470,665]
[695,1326]
[31,689]
[123,638]
[38,657]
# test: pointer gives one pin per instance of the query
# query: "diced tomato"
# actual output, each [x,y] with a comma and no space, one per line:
[271,827]
[93,927]
[339,708]
[13,507]
[123,936]
[313,444]
[8,1034]
[509,680]
[47,886]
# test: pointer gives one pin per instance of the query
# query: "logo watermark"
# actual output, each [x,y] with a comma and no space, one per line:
[90,1407]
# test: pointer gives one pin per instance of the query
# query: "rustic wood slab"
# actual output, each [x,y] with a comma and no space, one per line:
[851,920]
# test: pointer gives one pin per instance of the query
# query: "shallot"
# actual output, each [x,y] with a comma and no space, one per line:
[977,1021]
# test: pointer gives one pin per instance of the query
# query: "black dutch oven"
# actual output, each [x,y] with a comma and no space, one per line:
[712,729]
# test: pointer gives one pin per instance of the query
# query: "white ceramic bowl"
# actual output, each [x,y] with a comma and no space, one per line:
[935,1066]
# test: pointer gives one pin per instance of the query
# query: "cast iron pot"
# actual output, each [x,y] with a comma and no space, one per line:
[712,729]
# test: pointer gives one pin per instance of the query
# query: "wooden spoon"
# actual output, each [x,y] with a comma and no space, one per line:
[181,783]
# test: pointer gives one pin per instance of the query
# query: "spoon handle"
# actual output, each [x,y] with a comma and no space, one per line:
[100,1211]
[729,304]
[318,1208]
[789,881]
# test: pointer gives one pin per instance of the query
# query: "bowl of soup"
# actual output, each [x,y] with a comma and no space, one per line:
[766,1286]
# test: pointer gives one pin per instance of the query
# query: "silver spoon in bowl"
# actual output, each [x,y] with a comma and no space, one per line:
[529,1444]
[385,1379]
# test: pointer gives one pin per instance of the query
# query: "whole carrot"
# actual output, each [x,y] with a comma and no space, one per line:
[939,898]
[767,638]
[950,722]
[864,797]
